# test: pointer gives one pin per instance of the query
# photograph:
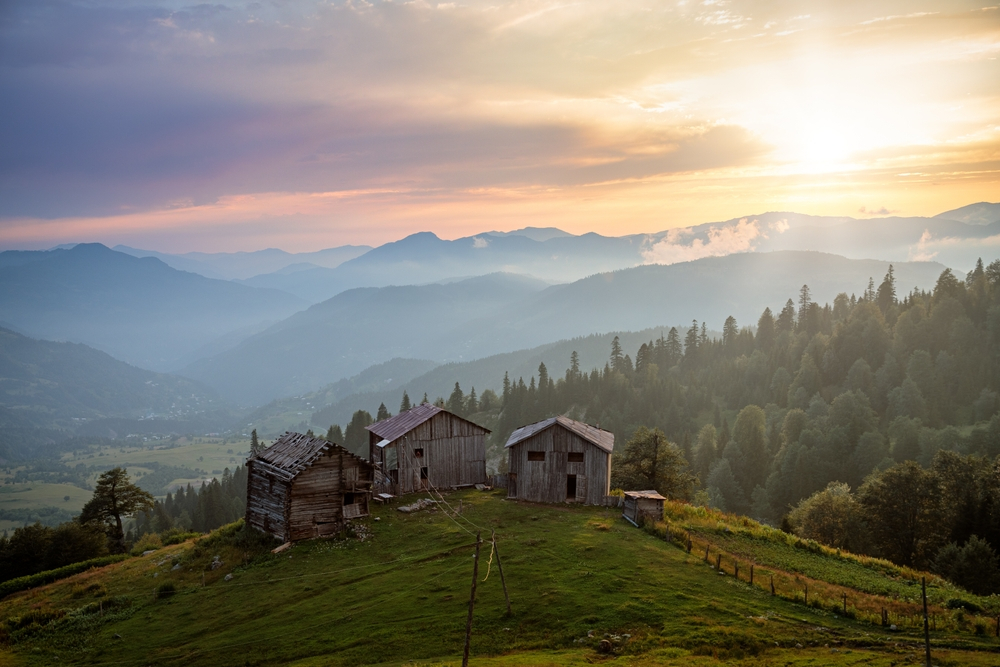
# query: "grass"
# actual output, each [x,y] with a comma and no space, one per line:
[400,596]
[196,453]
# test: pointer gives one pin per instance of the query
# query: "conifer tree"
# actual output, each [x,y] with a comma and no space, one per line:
[334,434]
[382,413]
[404,405]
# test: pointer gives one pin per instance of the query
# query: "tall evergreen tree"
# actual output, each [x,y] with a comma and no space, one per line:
[382,413]
[404,405]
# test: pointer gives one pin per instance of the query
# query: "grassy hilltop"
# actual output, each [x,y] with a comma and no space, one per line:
[397,593]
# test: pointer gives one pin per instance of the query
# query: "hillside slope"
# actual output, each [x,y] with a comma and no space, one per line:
[76,388]
[576,575]
[137,310]
[491,315]
[356,329]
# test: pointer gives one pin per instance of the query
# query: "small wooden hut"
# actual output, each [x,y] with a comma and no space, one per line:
[302,487]
[640,505]
[427,447]
[560,460]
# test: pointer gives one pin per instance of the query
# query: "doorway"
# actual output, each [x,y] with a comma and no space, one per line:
[570,487]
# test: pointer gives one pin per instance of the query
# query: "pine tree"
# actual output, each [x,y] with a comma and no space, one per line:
[805,299]
[673,348]
[691,340]
[472,404]
[456,402]
[786,318]
[765,331]
[334,434]
[115,497]
[255,446]
[729,331]
[616,355]
[404,405]
[382,413]
[886,295]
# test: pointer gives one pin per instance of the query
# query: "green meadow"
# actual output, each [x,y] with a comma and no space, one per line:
[397,591]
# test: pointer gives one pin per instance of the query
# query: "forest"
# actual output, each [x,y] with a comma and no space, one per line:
[190,510]
[823,419]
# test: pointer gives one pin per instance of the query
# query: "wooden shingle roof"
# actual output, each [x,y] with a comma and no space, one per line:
[292,453]
[401,424]
[596,436]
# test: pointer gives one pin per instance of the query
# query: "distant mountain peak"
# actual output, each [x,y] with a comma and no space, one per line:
[981,213]
[540,234]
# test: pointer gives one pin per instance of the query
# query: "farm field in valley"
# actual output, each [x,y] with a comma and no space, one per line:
[399,595]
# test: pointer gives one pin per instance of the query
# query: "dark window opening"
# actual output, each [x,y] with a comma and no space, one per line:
[349,499]
[570,487]
[418,453]
[536,456]
[576,457]
[423,472]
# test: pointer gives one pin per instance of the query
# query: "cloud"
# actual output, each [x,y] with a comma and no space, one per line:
[723,240]
[617,115]
[922,252]
[480,242]
[876,211]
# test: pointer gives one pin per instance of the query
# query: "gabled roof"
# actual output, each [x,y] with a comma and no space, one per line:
[644,494]
[596,436]
[398,426]
[292,453]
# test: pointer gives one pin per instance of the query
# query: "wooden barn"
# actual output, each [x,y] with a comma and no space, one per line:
[560,460]
[426,447]
[302,487]
[640,505]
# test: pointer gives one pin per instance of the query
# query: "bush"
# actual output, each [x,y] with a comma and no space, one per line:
[176,536]
[47,577]
[148,542]
[166,589]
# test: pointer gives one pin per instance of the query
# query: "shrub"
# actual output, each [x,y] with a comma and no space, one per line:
[148,542]
[47,577]
[166,589]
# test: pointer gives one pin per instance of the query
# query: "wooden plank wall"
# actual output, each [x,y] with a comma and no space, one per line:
[312,505]
[545,481]
[267,501]
[454,453]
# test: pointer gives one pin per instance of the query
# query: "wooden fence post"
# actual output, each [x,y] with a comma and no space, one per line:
[772,585]
[807,593]
[927,630]
[751,574]
[736,569]
[706,553]
[718,562]
[472,602]
[502,579]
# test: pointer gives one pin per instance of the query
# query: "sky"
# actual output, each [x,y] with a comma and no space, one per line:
[305,125]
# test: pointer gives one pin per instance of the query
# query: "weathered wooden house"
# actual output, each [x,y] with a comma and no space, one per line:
[560,460]
[641,505]
[427,447]
[302,487]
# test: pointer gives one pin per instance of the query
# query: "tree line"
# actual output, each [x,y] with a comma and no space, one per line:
[118,514]
[868,393]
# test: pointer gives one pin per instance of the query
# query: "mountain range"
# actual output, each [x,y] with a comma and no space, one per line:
[64,389]
[484,316]
[138,310]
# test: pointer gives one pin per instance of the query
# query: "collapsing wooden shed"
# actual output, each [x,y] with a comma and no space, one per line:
[303,487]
[560,460]
[427,447]
[641,505]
